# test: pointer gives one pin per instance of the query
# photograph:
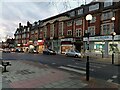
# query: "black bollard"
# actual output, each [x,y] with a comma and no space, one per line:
[112,58]
[87,69]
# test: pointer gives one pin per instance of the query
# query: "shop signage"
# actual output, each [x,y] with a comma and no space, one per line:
[67,39]
[40,42]
[101,38]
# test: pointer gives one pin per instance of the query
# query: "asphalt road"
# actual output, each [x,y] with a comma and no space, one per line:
[106,72]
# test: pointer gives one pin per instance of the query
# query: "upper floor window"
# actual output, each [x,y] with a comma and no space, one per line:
[36,31]
[51,30]
[32,32]
[94,7]
[24,30]
[16,37]
[108,3]
[107,15]
[78,32]
[93,20]
[107,28]
[91,30]
[28,29]
[27,35]
[80,11]
[45,31]
[69,32]
[60,29]
[78,22]
[16,32]
[69,23]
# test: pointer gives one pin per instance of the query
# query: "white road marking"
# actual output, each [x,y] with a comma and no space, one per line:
[114,77]
[95,66]
[76,63]
[79,67]
[71,69]
[109,80]
[53,63]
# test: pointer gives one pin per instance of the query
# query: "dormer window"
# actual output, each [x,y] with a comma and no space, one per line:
[72,14]
[94,7]
[80,11]
[108,3]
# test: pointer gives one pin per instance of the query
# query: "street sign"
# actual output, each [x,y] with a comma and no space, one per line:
[0,54]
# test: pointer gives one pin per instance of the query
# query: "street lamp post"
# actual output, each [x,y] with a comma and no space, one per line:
[113,34]
[88,18]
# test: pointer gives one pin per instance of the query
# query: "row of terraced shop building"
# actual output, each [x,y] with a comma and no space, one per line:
[68,30]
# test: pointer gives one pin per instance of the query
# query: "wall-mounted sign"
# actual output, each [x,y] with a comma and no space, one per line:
[101,38]
[67,39]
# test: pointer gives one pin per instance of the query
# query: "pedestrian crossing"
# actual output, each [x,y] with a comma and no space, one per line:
[72,69]
[80,68]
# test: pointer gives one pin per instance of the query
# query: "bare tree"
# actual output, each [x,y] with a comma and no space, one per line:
[66,4]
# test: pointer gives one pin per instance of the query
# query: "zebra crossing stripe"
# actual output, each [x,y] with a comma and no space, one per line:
[109,80]
[83,68]
[72,69]
[114,77]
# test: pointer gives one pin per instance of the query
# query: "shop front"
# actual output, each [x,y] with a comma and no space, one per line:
[40,46]
[25,47]
[103,44]
[78,44]
[66,44]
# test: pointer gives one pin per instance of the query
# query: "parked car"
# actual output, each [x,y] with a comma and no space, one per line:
[19,50]
[49,52]
[73,53]
[33,51]
[6,50]
[1,49]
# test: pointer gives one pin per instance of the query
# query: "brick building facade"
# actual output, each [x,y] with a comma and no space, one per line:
[68,30]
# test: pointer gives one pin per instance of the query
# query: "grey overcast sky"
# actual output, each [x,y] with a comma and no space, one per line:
[13,12]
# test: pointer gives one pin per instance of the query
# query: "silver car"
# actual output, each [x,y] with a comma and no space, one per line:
[73,53]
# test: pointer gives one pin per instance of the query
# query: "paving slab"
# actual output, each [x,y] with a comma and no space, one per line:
[37,75]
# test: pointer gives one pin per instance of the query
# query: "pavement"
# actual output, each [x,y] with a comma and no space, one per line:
[29,74]
[105,59]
